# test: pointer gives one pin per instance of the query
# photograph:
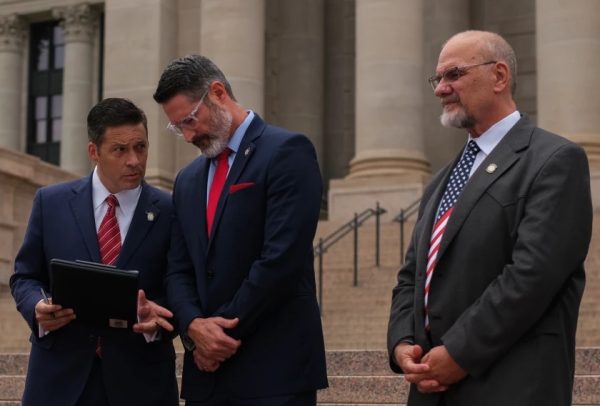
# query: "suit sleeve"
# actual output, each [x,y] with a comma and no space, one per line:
[293,190]
[401,325]
[552,242]
[180,281]
[31,272]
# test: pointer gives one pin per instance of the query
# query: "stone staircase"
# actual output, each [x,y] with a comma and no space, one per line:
[355,317]
[354,322]
[355,378]
[588,329]
[14,332]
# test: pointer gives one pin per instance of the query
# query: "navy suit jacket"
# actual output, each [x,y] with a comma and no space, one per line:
[506,289]
[257,266]
[62,225]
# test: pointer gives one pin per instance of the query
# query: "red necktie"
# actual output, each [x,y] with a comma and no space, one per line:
[216,187]
[109,235]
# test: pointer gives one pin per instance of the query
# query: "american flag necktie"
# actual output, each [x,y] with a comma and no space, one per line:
[456,183]
[109,235]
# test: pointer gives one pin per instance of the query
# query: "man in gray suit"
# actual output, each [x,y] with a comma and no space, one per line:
[485,309]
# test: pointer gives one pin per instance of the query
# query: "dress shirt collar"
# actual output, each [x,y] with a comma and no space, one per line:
[492,137]
[127,198]
[238,134]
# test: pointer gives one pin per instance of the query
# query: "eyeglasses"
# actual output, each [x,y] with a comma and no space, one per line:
[453,74]
[188,122]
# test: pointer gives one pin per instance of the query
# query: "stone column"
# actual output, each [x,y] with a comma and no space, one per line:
[339,87]
[80,25]
[389,88]
[12,33]
[568,46]
[296,68]
[443,19]
[134,61]
[390,164]
[233,36]
[568,54]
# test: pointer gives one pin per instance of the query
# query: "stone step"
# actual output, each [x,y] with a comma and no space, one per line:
[355,378]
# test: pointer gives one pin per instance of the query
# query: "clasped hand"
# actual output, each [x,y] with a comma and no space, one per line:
[213,345]
[434,372]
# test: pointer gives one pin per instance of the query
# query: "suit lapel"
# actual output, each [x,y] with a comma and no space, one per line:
[504,156]
[82,207]
[428,216]
[242,157]
[197,193]
[144,217]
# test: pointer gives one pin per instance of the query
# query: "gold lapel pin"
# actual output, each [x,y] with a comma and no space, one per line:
[491,168]
[150,216]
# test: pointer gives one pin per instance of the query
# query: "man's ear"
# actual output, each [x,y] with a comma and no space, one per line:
[93,152]
[218,90]
[502,77]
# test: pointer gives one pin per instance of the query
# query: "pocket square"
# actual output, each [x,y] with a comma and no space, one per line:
[240,186]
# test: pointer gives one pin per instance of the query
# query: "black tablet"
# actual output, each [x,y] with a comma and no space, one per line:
[100,295]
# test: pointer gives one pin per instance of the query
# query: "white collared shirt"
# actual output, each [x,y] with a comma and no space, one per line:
[492,137]
[128,200]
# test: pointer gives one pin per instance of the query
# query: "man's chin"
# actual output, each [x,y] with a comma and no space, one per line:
[448,120]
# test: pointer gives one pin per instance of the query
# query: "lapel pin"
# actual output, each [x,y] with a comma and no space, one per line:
[491,168]
[247,151]
[150,216]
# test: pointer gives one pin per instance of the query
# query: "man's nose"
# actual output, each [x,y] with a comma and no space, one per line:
[132,158]
[443,88]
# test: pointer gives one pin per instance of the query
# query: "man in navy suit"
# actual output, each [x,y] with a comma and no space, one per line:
[241,280]
[485,308]
[76,364]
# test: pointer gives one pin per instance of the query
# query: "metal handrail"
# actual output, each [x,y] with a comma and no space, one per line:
[353,225]
[401,218]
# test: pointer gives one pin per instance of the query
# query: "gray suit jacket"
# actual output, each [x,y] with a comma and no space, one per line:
[505,293]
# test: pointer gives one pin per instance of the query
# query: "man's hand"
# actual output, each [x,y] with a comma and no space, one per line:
[213,345]
[51,317]
[205,364]
[151,316]
[442,367]
[416,370]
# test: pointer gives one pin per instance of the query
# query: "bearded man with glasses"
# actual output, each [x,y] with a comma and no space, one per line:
[485,308]
[240,279]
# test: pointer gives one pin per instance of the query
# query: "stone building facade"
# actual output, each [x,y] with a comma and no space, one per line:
[351,74]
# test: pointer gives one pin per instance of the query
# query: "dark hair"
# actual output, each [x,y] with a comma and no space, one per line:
[113,112]
[190,75]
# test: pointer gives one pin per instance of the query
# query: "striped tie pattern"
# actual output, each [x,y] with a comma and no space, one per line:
[109,235]
[456,183]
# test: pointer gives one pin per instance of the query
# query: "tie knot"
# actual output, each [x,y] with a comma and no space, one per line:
[224,155]
[473,147]
[112,201]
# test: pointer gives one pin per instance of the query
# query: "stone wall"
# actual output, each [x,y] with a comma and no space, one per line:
[20,176]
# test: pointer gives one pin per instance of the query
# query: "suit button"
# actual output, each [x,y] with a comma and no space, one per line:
[210,274]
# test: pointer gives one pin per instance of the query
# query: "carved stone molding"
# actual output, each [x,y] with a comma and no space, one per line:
[12,33]
[78,21]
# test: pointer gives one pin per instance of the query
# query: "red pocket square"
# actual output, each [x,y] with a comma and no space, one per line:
[240,186]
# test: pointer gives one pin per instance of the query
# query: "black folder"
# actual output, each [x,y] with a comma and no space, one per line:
[101,295]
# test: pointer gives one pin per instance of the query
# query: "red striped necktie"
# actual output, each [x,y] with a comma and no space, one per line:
[109,235]
[456,183]
[216,187]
